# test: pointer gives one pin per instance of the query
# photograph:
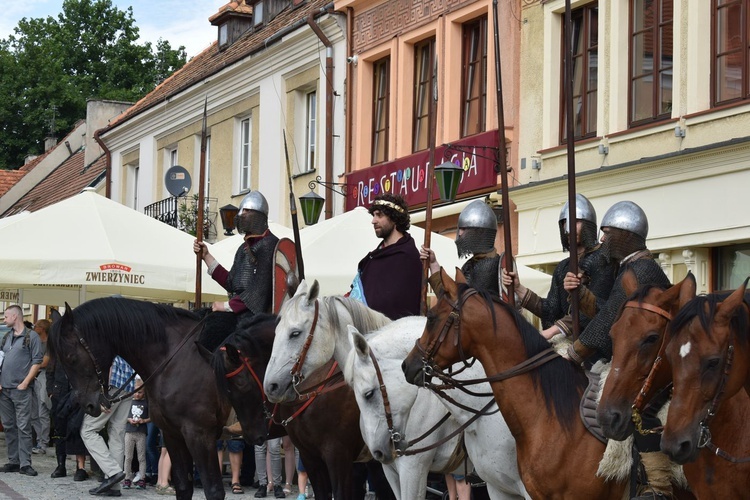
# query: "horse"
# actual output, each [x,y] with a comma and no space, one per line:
[327,451]
[537,391]
[381,390]
[639,338]
[155,340]
[708,352]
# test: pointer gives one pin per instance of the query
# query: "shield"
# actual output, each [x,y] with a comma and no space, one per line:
[285,273]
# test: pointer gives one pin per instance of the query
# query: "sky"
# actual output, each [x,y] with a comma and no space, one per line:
[181,22]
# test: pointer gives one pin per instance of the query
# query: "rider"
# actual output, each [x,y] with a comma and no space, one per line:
[477,227]
[597,271]
[624,229]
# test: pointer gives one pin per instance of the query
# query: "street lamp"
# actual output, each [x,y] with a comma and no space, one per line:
[228,213]
[448,177]
[311,205]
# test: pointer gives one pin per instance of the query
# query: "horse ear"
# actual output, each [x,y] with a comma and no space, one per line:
[301,288]
[55,315]
[448,284]
[687,289]
[359,343]
[312,295]
[232,353]
[726,309]
[67,318]
[629,282]
[460,278]
[205,353]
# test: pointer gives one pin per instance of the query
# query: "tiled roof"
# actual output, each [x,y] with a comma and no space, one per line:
[65,181]
[211,61]
[234,6]
[8,178]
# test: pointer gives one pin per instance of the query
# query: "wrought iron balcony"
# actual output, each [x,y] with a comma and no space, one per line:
[182,213]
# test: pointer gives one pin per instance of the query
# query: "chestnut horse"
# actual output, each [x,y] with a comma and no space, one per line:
[327,448]
[639,337]
[557,456]
[708,352]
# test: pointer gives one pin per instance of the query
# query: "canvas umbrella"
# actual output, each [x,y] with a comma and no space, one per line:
[88,246]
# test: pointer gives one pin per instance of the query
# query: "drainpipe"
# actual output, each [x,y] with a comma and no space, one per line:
[329,110]
[107,164]
[349,72]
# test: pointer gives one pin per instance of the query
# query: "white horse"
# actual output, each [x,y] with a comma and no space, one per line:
[488,441]
[331,339]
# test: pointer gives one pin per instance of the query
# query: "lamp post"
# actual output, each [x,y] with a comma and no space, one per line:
[311,205]
[228,213]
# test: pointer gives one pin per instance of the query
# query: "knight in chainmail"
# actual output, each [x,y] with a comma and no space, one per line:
[249,282]
[625,228]
[597,271]
[477,227]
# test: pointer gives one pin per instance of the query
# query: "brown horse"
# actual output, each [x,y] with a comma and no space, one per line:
[639,337]
[557,456]
[326,431]
[708,352]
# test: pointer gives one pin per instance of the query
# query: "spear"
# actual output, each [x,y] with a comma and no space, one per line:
[201,196]
[432,131]
[293,209]
[502,159]
[570,136]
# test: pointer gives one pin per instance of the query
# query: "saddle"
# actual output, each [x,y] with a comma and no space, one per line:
[589,402]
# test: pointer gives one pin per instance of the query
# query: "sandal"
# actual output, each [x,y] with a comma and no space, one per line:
[237,489]
[287,488]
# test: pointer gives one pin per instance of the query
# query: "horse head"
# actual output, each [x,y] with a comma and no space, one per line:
[239,365]
[71,350]
[708,353]
[441,343]
[639,337]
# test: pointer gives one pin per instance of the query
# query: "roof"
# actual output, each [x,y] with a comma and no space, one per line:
[65,181]
[211,60]
[233,6]
[8,178]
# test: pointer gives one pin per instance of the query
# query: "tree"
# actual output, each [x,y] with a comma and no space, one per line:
[50,67]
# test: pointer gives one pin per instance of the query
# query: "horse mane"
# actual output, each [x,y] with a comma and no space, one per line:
[364,319]
[558,380]
[135,322]
[704,308]
[249,339]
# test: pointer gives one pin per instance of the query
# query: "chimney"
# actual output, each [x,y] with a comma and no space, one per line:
[29,158]
[49,142]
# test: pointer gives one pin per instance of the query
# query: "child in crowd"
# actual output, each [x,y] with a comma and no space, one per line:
[135,436]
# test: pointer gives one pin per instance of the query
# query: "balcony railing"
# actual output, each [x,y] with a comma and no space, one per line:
[182,213]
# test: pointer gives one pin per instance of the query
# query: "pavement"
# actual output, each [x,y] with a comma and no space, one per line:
[15,486]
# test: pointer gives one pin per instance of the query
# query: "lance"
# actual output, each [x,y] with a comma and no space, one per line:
[293,209]
[570,140]
[432,131]
[201,201]
[502,157]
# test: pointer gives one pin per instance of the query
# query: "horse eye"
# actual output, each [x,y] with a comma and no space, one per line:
[711,364]
[369,394]
[651,339]
[295,333]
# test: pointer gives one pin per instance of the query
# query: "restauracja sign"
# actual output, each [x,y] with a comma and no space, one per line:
[407,176]
[115,273]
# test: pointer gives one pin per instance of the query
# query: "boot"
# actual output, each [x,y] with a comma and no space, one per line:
[658,470]
[60,470]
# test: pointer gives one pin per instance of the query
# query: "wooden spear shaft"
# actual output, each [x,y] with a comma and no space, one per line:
[432,126]
[201,201]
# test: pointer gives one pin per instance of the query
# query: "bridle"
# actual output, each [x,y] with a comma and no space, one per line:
[246,365]
[296,371]
[640,400]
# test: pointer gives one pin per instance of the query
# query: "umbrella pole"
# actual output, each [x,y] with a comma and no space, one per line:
[201,201]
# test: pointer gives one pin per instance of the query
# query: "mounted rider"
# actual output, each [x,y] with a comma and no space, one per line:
[475,236]
[625,228]
[598,274]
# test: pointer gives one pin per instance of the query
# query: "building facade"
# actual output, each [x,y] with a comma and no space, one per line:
[661,118]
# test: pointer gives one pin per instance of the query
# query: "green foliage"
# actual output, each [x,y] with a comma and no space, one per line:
[89,52]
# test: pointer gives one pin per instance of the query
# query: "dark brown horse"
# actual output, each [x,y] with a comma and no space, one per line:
[639,338]
[557,456]
[157,341]
[708,352]
[326,431]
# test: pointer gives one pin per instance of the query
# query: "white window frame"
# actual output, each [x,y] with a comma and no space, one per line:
[172,157]
[311,112]
[245,153]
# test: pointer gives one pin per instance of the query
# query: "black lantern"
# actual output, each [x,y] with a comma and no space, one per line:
[228,213]
[448,176]
[311,204]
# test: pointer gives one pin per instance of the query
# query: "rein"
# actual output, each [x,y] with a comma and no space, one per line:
[640,400]
[308,397]
[109,400]
[246,364]
[296,371]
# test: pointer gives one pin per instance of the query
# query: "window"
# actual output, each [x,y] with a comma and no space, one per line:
[135,171]
[172,157]
[651,41]
[312,105]
[245,151]
[730,51]
[208,166]
[380,104]
[733,263]
[258,14]
[223,35]
[424,61]
[585,36]
[474,78]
